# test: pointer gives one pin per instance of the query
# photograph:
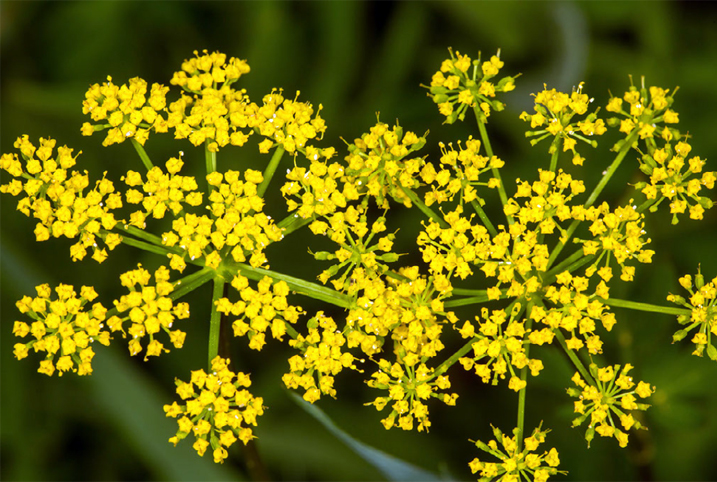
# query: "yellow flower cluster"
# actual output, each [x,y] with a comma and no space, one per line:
[670,172]
[214,104]
[517,462]
[150,310]
[55,196]
[464,243]
[62,328]
[409,384]
[348,230]
[260,309]
[409,309]
[459,173]
[207,118]
[555,110]
[499,346]
[645,113]
[218,409]
[703,313]
[377,166]
[316,189]
[548,198]
[456,87]
[673,177]
[161,191]
[607,401]
[238,227]
[575,312]
[321,359]
[618,234]
[126,110]
[450,251]
[209,71]
[286,122]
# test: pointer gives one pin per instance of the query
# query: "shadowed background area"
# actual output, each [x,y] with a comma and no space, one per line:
[356,59]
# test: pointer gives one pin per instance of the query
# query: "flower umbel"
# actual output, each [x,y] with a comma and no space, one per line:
[607,402]
[150,310]
[517,461]
[62,328]
[703,313]
[218,409]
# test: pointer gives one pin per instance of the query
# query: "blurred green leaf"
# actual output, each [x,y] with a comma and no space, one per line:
[135,404]
[391,467]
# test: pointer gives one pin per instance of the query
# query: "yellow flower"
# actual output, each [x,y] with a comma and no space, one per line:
[62,328]
[516,465]
[150,310]
[611,393]
[221,413]
[127,110]
[56,198]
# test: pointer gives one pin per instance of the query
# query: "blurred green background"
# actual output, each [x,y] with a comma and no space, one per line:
[355,58]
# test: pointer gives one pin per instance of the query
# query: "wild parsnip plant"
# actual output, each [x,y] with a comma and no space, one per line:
[539,276]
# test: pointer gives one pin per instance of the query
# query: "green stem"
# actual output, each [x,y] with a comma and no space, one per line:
[467,292]
[554,157]
[139,233]
[489,152]
[634,305]
[449,362]
[483,217]
[306,288]
[646,205]
[270,170]
[596,192]
[472,300]
[210,158]
[425,209]
[566,264]
[293,222]
[152,248]
[142,153]
[191,282]
[524,376]
[215,319]
[574,358]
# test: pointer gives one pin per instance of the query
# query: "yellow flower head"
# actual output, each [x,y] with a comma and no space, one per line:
[62,328]
[219,409]
[128,111]
[514,464]
[611,391]
[150,310]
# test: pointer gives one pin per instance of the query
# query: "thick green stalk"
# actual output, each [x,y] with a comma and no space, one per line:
[210,158]
[152,248]
[483,217]
[443,367]
[596,192]
[306,288]
[468,292]
[139,233]
[471,300]
[568,263]
[142,153]
[270,170]
[191,282]
[215,319]
[293,222]
[425,209]
[554,157]
[524,376]
[574,358]
[489,153]
[634,305]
